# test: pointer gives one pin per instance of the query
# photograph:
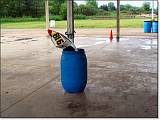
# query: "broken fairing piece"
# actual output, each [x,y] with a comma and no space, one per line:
[61,41]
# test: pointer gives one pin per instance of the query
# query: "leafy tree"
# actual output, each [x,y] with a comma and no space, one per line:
[135,10]
[102,12]
[87,10]
[90,10]
[145,7]
[36,8]
[11,8]
[19,8]
[111,6]
[91,7]
[3,8]
[128,7]
[63,10]
[104,7]
[92,3]
[156,11]
[28,7]
[122,7]
[55,6]
[40,8]
[81,9]
[76,11]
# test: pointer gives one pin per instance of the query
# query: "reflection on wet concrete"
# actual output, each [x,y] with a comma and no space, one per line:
[76,104]
[149,44]
[22,39]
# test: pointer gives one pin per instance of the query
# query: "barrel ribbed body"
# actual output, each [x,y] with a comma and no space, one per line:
[147,26]
[155,26]
[74,71]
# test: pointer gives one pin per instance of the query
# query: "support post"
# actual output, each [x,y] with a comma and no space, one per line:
[152,9]
[158,10]
[118,20]
[70,20]
[47,13]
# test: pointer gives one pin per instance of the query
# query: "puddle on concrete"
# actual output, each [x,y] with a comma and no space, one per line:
[146,47]
[101,42]
[149,44]
[13,39]
[79,46]
[34,40]
[22,39]
[103,39]
[114,39]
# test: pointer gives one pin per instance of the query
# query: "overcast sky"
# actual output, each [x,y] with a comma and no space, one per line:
[137,3]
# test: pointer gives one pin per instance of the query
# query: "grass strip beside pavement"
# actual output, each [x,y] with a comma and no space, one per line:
[124,23]
[23,25]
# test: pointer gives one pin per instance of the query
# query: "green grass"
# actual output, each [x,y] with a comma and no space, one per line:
[23,25]
[125,23]
[21,19]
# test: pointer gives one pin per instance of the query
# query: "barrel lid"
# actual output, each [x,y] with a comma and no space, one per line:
[147,21]
[80,50]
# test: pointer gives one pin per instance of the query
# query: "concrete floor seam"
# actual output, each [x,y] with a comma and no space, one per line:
[28,95]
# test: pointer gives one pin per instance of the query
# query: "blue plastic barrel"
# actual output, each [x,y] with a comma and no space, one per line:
[74,71]
[147,26]
[155,26]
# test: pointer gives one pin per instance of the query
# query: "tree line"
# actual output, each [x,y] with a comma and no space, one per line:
[36,8]
[20,8]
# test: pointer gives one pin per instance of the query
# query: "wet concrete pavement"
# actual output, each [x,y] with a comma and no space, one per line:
[122,78]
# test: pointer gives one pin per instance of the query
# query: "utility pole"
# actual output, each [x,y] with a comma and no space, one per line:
[118,20]
[70,20]
[47,13]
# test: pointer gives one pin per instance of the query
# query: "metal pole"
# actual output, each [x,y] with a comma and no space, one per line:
[47,13]
[118,20]
[152,9]
[158,10]
[70,20]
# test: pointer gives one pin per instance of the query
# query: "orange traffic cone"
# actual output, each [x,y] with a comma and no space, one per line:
[111,36]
